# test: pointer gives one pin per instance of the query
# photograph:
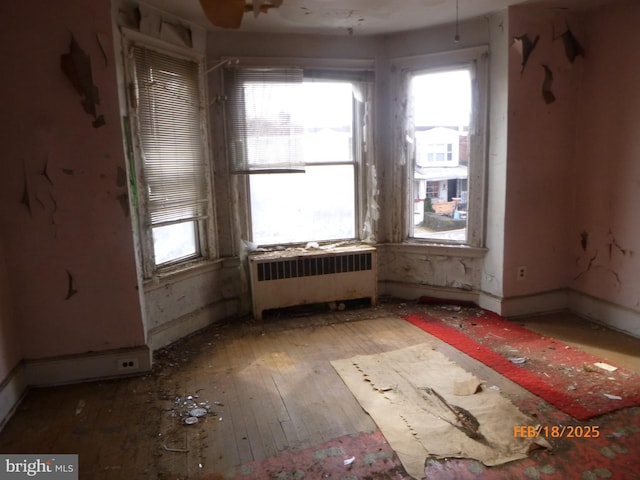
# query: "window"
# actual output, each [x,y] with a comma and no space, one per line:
[168,125]
[433,189]
[444,145]
[300,141]
[439,152]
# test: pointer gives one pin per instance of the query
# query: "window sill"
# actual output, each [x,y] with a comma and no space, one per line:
[184,272]
[452,250]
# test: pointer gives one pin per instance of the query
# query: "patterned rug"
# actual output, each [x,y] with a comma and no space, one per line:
[576,382]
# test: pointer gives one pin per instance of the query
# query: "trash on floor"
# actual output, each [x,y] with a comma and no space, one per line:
[612,397]
[606,366]
[518,360]
[189,409]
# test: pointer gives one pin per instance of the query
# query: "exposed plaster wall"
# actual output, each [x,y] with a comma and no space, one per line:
[409,271]
[188,301]
[65,227]
[540,149]
[604,233]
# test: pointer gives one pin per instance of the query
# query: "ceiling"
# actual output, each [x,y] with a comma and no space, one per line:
[354,17]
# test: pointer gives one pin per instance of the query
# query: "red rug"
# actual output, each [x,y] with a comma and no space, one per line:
[562,375]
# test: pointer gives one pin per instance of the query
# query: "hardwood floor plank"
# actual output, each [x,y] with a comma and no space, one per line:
[240,357]
[278,390]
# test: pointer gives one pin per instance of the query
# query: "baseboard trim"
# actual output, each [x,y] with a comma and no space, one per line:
[12,390]
[606,313]
[180,327]
[88,366]
[535,304]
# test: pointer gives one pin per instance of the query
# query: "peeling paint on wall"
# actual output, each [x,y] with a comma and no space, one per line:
[419,269]
[525,47]
[71,291]
[611,264]
[26,200]
[547,94]
[584,240]
[589,265]
[77,67]
[45,173]
[572,47]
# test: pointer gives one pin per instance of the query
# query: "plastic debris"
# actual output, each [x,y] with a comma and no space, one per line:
[349,461]
[190,420]
[518,360]
[189,406]
[612,397]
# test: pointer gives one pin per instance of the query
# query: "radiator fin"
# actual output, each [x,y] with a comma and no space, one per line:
[312,266]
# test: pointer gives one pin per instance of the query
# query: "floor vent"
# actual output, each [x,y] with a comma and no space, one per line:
[287,279]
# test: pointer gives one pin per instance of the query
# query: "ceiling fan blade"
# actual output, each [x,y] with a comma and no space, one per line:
[224,13]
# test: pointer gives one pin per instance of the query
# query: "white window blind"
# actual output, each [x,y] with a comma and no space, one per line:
[170,118]
[265,120]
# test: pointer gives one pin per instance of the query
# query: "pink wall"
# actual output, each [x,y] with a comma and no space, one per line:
[606,169]
[540,150]
[10,353]
[76,222]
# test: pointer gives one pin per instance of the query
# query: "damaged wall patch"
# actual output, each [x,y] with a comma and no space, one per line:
[77,67]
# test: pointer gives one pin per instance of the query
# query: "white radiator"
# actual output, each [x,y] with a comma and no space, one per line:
[290,278]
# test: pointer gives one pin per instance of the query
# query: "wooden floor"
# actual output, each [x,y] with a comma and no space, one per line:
[269,386]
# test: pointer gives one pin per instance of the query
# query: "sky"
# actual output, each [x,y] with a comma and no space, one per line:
[442,98]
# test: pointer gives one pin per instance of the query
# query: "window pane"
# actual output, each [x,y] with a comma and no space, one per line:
[328,121]
[318,204]
[442,110]
[299,207]
[174,242]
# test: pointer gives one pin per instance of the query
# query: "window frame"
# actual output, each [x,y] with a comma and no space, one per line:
[339,70]
[475,58]
[205,226]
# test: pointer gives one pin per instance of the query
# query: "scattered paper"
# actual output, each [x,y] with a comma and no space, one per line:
[466,387]
[606,366]
[612,397]
[349,461]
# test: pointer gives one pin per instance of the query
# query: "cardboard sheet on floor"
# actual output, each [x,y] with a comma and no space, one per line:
[393,388]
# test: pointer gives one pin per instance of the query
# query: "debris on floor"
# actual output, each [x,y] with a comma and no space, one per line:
[189,409]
